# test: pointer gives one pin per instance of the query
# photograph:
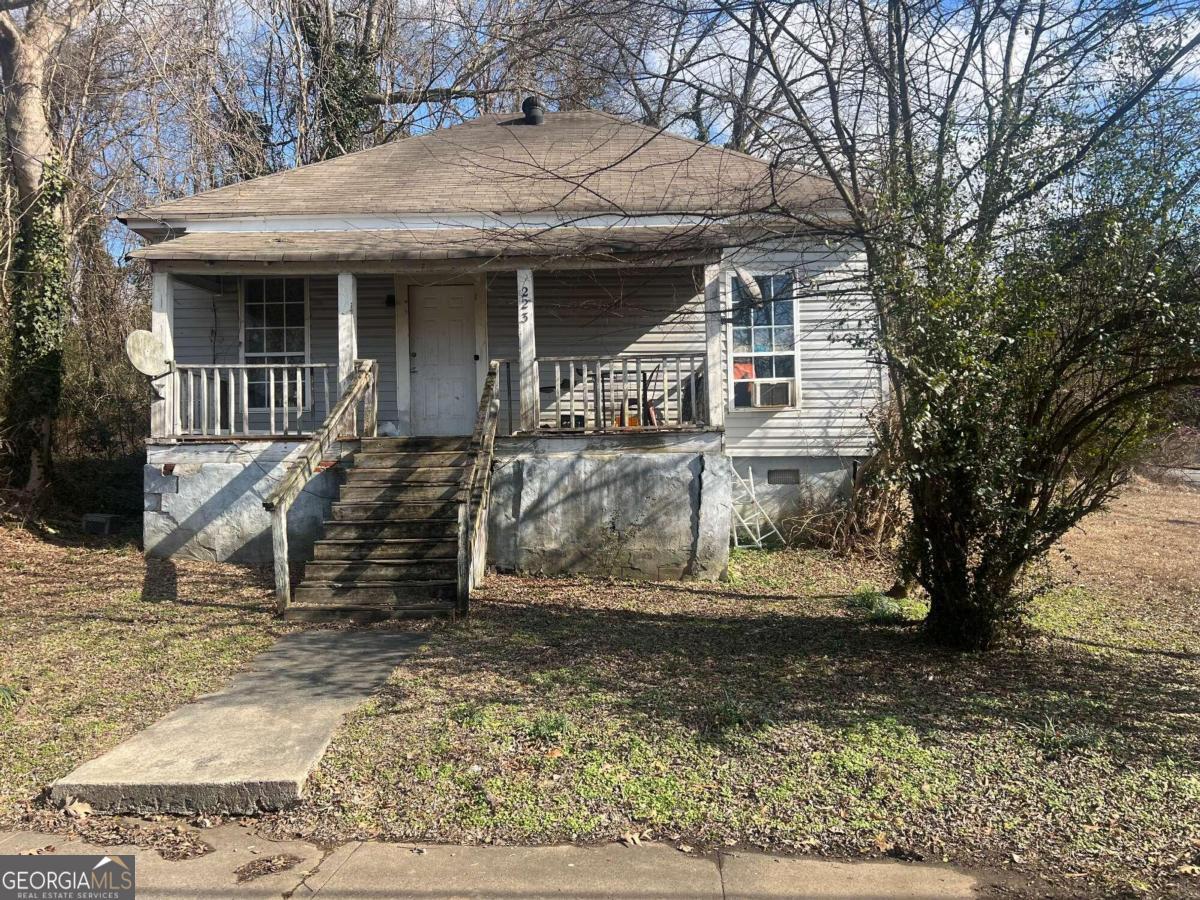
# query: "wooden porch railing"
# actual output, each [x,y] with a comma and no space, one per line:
[355,414]
[251,399]
[626,393]
[473,512]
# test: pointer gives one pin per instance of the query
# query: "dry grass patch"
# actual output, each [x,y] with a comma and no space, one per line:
[99,642]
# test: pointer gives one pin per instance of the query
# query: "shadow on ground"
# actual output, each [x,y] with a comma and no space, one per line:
[779,662]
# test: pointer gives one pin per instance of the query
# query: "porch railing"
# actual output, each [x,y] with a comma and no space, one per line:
[252,399]
[628,393]
[473,512]
[355,414]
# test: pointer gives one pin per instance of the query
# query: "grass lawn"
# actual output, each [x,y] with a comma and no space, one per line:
[96,642]
[786,710]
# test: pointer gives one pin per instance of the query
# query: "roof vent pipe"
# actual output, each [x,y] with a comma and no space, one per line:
[535,113]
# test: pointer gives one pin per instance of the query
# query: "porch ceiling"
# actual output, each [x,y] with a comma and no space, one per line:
[489,246]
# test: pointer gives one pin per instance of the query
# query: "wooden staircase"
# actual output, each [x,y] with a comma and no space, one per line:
[408,534]
[391,546]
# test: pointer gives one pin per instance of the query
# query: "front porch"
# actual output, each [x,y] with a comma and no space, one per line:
[606,450]
[258,356]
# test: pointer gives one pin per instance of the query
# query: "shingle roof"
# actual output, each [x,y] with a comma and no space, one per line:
[575,162]
[441,244]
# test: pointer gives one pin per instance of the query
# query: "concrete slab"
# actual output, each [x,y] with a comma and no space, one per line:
[250,746]
[374,871]
[759,877]
[23,841]
[538,873]
[316,879]
[215,874]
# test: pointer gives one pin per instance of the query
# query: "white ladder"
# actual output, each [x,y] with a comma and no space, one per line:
[750,524]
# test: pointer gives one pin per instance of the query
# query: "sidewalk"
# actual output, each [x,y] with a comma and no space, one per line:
[375,870]
[251,745]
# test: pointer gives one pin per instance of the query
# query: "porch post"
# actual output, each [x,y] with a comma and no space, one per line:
[347,329]
[714,376]
[162,326]
[527,361]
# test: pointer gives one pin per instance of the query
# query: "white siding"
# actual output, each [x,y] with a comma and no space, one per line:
[603,313]
[839,385]
[606,312]
[377,336]
[598,313]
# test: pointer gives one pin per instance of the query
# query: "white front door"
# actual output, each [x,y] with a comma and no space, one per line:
[441,341]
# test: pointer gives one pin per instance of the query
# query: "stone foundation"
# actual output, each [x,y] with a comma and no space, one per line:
[204,501]
[630,506]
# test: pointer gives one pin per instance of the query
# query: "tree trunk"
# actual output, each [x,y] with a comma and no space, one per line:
[40,296]
[23,62]
[959,622]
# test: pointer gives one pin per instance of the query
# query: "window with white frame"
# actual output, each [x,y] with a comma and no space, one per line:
[275,332]
[764,343]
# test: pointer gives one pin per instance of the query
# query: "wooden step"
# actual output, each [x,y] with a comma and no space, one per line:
[406,548]
[306,612]
[407,475]
[410,459]
[426,444]
[408,593]
[359,571]
[400,492]
[386,530]
[383,512]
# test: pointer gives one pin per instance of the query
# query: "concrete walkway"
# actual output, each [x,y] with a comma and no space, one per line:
[373,871]
[250,746]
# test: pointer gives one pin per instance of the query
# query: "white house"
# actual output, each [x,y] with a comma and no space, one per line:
[522,340]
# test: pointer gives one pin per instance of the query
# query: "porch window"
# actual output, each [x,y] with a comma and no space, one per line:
[764,343]
[275,324]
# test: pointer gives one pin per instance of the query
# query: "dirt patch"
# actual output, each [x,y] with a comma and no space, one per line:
[1147,543]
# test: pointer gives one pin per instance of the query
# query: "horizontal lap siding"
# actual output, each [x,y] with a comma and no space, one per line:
[207,321]
[600,313]
[839,384]
[208,329]
[377,336]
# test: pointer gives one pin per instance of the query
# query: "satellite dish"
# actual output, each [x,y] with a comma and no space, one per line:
[146,353]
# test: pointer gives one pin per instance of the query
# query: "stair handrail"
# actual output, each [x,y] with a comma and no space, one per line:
[473,511]
[362,385]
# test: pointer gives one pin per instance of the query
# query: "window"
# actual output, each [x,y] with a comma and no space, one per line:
[764,343]
[275,323]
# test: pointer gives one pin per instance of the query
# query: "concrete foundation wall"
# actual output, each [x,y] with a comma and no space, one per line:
[821,481]
[644,506]
[204,501]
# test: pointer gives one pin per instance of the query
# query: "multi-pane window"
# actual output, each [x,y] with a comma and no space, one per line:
[276,333]
[764,343]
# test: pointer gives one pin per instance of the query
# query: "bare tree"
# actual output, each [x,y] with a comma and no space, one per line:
[961,139]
